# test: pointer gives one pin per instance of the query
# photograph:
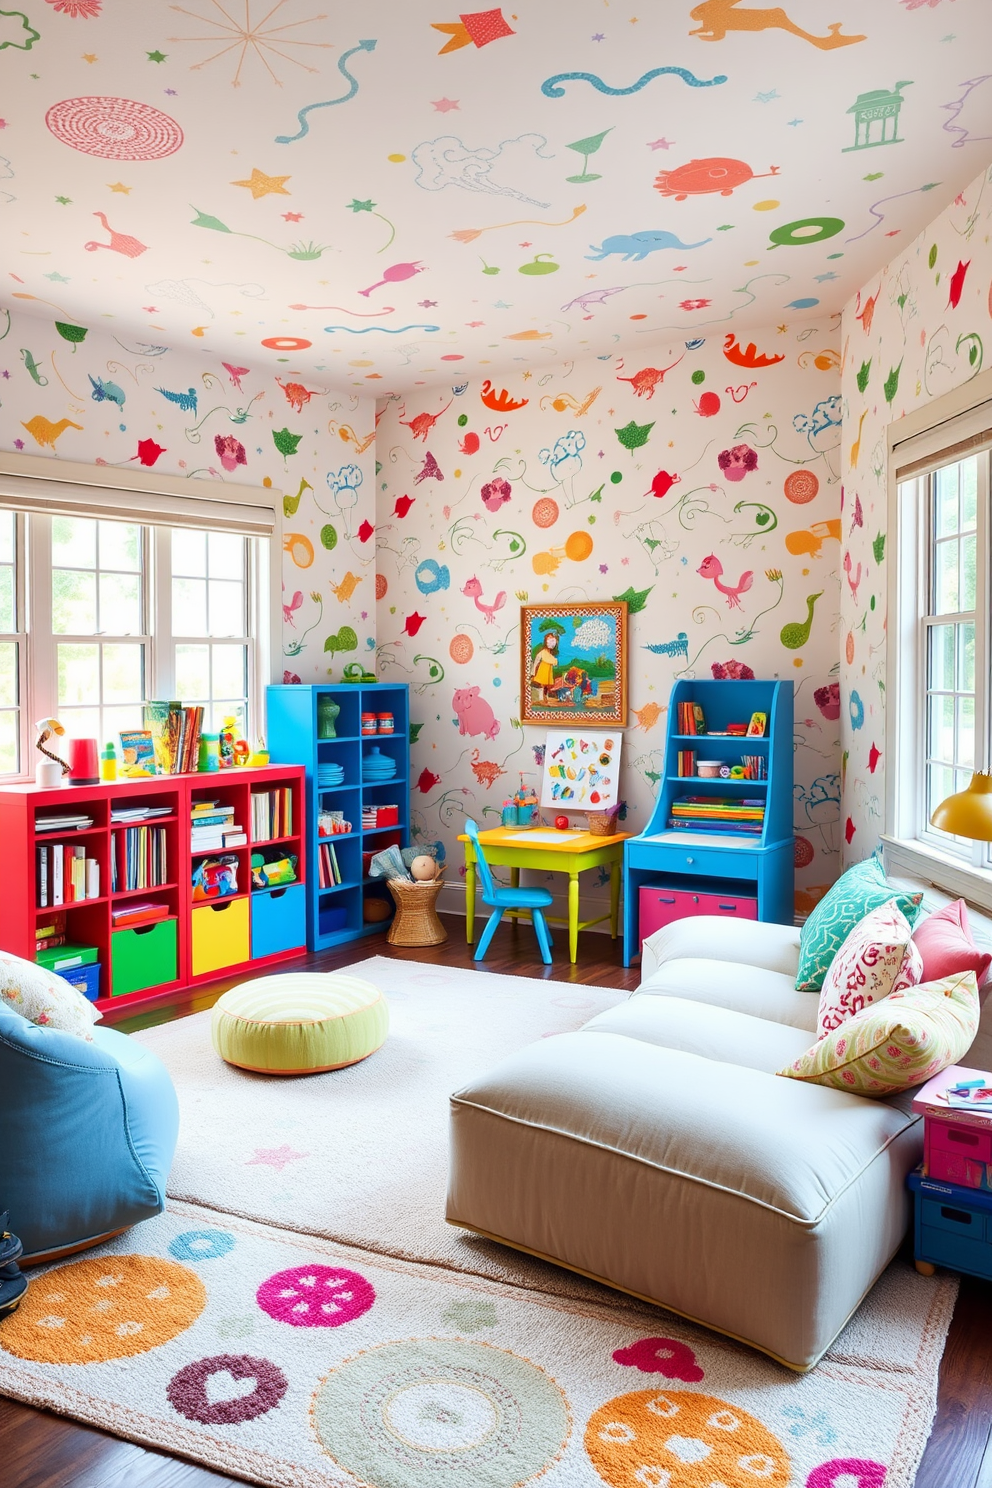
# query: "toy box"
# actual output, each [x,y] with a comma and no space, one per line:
[957,1141]
[952,1227]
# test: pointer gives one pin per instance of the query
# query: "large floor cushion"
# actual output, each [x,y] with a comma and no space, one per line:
[299,1023]
[762,1207]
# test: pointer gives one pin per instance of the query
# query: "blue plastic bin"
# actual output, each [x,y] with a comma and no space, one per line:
[85,979]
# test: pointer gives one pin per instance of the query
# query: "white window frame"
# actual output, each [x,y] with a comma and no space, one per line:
[19,637]
[37,488]
[910,847]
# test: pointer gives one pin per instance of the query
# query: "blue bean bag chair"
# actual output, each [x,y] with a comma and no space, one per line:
[89,1130]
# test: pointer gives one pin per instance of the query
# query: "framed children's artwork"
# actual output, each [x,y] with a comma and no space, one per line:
[573,664]
[581,771]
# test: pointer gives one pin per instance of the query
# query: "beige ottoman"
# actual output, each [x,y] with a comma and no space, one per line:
[299,1023]
[656,1150]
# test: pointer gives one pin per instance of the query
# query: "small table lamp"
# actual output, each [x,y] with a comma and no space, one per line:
[968,813]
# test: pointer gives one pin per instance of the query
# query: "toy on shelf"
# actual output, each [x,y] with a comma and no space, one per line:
[273,875]
[216,878]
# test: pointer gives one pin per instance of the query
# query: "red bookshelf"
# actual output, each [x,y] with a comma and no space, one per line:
[203,940]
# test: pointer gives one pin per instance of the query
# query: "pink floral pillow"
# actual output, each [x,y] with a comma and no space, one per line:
[878,957]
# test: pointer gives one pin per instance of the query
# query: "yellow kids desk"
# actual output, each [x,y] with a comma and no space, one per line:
[549,851]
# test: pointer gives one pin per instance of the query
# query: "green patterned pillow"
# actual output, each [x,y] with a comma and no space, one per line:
[897,1043]
[855,894]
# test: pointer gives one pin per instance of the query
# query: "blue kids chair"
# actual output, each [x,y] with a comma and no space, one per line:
[500,900]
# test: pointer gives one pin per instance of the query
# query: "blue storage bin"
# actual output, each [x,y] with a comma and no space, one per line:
[278,920]
[85,979]
[953,1225]
[332,919]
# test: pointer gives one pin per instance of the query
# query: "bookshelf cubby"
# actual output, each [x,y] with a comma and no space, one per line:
[337,913]
[196,942]
[722,870]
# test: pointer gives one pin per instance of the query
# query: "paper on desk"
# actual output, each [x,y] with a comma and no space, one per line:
[555,836]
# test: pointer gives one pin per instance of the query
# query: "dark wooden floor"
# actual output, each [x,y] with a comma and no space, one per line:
[42,1450]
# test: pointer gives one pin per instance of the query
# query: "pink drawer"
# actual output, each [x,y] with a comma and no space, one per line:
[958,1154]
[968,1140]
[658,906]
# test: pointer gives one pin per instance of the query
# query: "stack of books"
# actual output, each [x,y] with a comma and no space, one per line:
[691,719]
[65,875]
[328,871]
[717,814]
[138,859]
[50,933]
[65,821]
[687,762]
[138,813]
[213,828]
[137,912]
[175,733]
[271,814]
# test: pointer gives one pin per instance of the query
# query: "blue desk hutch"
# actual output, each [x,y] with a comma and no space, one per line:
[726,872]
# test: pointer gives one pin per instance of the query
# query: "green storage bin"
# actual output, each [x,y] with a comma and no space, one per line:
[143,957]
[64,957]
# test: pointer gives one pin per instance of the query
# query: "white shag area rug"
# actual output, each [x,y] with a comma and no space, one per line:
[360,1155]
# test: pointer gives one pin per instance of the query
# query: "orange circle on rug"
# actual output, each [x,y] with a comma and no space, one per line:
[682,1440]
[90,1311]
[291,343]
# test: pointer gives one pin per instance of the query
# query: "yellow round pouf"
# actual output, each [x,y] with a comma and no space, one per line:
[299,1023]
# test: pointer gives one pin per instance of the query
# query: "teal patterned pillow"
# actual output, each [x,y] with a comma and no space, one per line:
[855,894]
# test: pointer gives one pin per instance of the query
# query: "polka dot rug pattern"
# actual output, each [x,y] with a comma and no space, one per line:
[278,1357]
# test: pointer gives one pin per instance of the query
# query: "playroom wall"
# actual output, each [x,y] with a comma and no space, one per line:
[604,479]
[104,400]
[915,331]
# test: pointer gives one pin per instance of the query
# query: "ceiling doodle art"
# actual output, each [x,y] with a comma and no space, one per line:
[544,183]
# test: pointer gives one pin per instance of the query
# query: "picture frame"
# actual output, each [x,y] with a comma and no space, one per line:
[579,675]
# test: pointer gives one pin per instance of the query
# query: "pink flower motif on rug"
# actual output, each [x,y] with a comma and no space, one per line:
[865,1474]
[315,1296]
[661,1356]
[274,1157]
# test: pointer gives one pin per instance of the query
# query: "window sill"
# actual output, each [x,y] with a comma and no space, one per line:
[948,875]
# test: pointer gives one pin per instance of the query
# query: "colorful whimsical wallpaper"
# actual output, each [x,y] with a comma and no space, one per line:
[700,484]
[81,393]
[392,194]
[920,327]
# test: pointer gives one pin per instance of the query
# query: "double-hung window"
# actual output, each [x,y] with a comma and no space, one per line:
[939,645]
[120,588]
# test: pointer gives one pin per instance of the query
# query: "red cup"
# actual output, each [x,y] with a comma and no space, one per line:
[84,762]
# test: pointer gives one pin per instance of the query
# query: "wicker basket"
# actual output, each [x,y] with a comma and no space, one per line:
[416,922]
[603,823]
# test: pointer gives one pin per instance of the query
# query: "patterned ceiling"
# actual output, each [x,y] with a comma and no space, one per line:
[395,193]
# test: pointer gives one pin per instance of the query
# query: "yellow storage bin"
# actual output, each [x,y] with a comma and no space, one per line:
[221,935]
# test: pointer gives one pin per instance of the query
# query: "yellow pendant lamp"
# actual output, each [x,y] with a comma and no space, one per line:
[968,813]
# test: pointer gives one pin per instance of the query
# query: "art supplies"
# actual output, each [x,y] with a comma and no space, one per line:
[581,771]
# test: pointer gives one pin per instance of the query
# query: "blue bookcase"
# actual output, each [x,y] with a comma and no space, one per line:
[338,913]
[726,872]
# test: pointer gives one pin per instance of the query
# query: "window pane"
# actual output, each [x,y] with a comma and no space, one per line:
[193,672]
[966,732]
[74,542]
[966,658]
[80,723]
[7,597]
[115,719]
[218,712]
[9,762]
[122,674]
[227,556]
[73,602]
[6,537]
[227,608]
[969,570]
[79,674]
[940,785]
[229,671]
[120,604]
[941,668]
[120,546]
[189,552]
[946,578]
[941,732]
[8,675]
[969,491]
[189,607]
[946,500]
